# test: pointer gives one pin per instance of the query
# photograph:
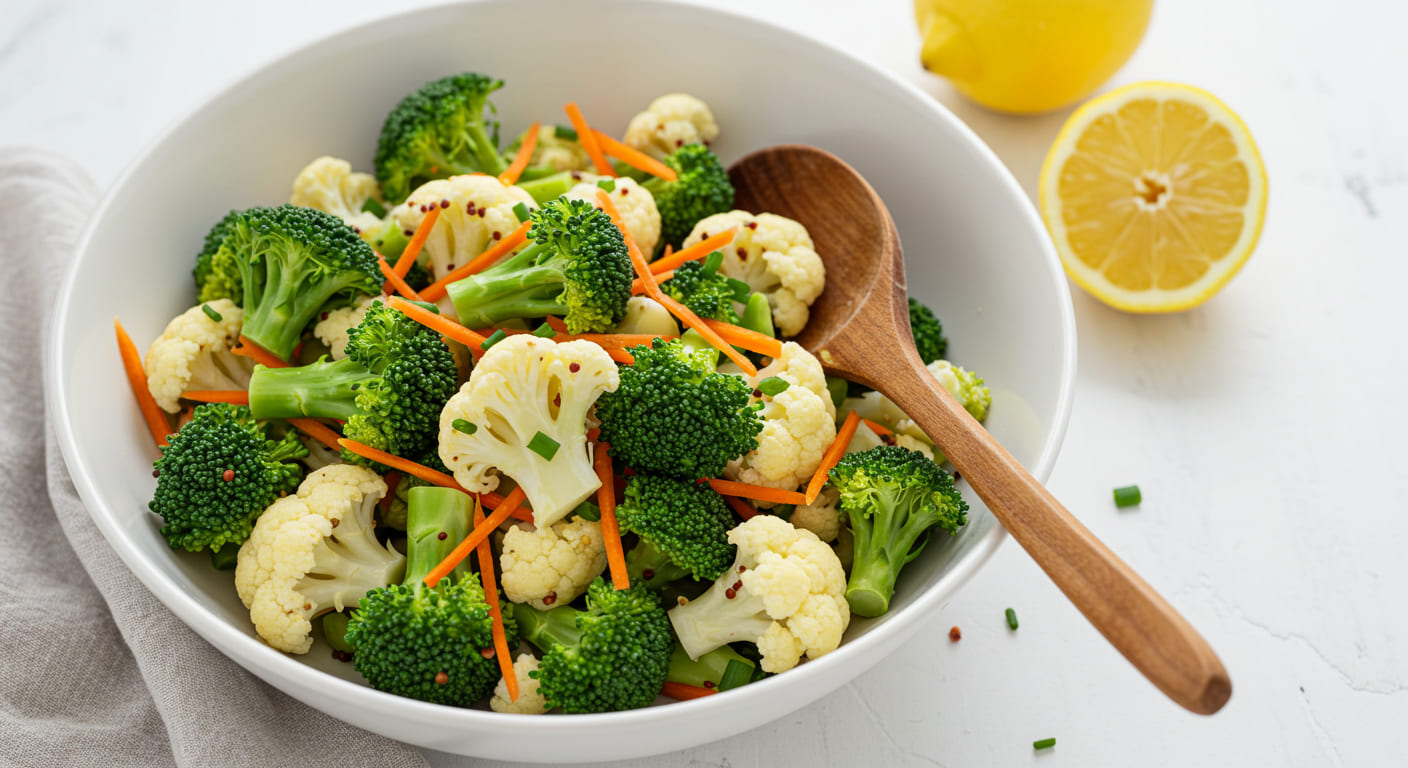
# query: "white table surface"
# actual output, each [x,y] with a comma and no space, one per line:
[1265,428]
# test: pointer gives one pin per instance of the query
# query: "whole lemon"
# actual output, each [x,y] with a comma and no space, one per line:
[1027,56]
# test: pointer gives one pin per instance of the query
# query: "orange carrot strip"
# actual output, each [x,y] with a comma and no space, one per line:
[588,139]
[319,431]
[408,256]
[610,530]
[697,251]
[634,157]
[758,492]
[684,691]
[258,354]
[638,287]
[480,533]
[877,427]
[744,509]
[491,595]
[440,324]
[405,465]
[137,378]
[520,161]
[750,340]
[637,260]
[483,261]
[556,323]
[833,454]
[235,396]
[686,316]
[622,356]
[395,281]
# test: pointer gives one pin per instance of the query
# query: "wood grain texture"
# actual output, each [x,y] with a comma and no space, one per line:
[862,310]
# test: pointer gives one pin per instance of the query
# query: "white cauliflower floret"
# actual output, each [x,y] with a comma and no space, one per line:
[194,353]
[637,207]
[552,566]
[314,552]
[523,386]
[785,593]
[822,516]
[799,424]
[329,185]
[670,122]
[475,212]
[774,256]
[529,701]
[556,152]
[648,316]
[333,328]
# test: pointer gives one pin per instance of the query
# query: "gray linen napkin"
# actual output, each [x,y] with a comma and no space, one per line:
[93,669]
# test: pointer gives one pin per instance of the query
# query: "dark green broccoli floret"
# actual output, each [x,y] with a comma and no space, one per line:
[439,131]
[702,190]
[610,657]
[426,642]
[389,389]
[708,670]
[217,279]
[928,332]
[707,293]
[218,474]
[674,415]
[683,528]
[577,266]
[894,498]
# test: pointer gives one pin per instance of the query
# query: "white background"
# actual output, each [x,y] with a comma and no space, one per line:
[1265,428]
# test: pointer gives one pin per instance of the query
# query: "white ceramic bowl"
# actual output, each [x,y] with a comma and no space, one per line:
[976,251]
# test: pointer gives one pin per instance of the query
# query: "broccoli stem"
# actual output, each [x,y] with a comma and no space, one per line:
[646,558]
[437,519]
[757,315]
[545,630]
[321,390]
[707,670]
[548,188]
[884,542]
[516,287]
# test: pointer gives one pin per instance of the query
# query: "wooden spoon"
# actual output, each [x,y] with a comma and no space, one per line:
[859,329]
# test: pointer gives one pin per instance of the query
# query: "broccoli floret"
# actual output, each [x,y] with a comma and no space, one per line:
[610,657]
[218,474]
[683,528]
[894,498]
[439,131]
[389,389]
[708,670]
[577,266]
[425,642]
[702,190]
[706,292]
[217,278]
[928,332]
[674,415]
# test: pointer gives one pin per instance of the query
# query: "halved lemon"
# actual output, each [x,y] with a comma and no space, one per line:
[1154,195]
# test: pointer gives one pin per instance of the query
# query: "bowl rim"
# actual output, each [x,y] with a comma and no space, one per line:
[284,670]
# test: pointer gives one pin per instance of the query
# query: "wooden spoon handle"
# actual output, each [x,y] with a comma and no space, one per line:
[1131,615]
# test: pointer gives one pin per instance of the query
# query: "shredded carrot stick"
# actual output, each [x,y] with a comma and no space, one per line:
[750,340]
[395,281]
[258,354]
[520,161]
[833,454]
[634,157]
[757,492]
[556,323]
[622,356]
[491,595]
[610,529]
[408,256]
[684,691]
[440,324]
[483,261]
[686,316]
[744,509]
[697,251]
[393,480]
[588,139]
[878,428]
[137,378]
[480,533]
[405,465]
[235,396]
[638,287]
[319,431]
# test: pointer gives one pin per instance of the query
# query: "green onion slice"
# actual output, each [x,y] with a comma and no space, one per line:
[466,427]
[544,446]
[735,674]
[494,338]
[607,184]
[1011,619]
[211,313]
[1127,496]
[772,386]
[544,331]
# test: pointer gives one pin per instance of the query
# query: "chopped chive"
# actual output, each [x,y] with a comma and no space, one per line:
[428,306]
[544,446]
[211,313]
[521,211]
[494,338]
[566,132]
[374,208]
[544,331]
[712,262]
[466,427]
[1044,744]
[772,386]
[735,674]
[1011,619]
[607,184]
[741,290]
[1127,496]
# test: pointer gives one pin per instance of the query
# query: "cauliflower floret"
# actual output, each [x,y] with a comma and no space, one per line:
[554,151]
[529,701]
[774,256]
[966,386]
[194,353]
[670,122]
[648,316]
[785,593]
[637,207]
[522,387]
[329,185]
[552,566]
[314,552]
[475,211]
[822,517]
[333,327]
[799,423]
